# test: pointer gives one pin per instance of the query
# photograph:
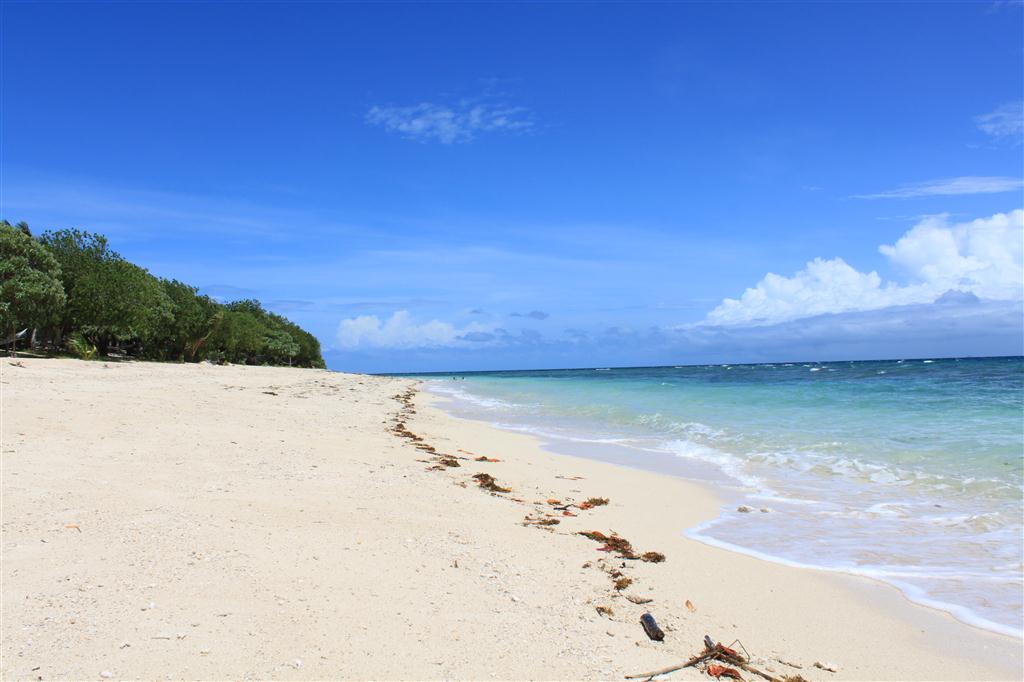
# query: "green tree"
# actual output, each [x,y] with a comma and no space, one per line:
[21,226]
[119,301]
[110,300]
[193,317]
[239,338]
[30,288]
[280,346]
[80,254]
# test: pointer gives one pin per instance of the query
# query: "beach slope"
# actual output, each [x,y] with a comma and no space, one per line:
[167,521]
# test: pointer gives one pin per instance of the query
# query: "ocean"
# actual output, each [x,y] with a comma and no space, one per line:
[907,471]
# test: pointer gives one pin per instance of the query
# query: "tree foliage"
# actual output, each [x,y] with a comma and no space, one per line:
[30,287]
[71,285]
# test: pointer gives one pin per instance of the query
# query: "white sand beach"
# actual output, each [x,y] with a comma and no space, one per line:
[165,521]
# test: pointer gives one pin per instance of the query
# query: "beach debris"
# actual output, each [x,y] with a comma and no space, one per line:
[593,502]
[765,510]
[552,501]
[827,667]
[402,431]
[539,521]
[484,458]
[622,583]
[487,482]
[566,512]
[744,509]
[106,674]
[794,678]
[269,393]
[605,611]
[638,600]
[611,543]
[791,665]
[651,627]
[570,478]
[719,671]
[690,607]
[448,461]
[712,652]
[73,525]
[652,557]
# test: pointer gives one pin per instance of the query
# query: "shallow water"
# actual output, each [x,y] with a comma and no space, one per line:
[907,471]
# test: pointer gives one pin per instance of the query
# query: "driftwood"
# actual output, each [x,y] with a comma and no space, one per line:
[671,669]
[712,651]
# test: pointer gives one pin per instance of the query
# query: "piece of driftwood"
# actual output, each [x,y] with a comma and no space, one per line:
[672,668]
[712,651]
[751,669]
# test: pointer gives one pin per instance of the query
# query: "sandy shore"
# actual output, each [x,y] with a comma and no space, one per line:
[169,522]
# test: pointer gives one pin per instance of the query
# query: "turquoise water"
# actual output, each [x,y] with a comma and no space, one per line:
[907,471]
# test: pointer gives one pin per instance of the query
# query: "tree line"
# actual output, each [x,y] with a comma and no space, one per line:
[68,290]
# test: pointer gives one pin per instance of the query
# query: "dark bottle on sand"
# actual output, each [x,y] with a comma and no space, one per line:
[651,627]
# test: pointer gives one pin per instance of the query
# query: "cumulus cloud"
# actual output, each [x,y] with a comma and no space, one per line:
[983,259]
[401,331]
[461,122]
[1005,123]
[957,326]
[970,184]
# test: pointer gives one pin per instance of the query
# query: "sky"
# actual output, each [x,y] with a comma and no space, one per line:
[465,186]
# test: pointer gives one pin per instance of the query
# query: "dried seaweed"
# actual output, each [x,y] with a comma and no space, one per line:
[532,521]
[611,543]
[652,557]
[487,482]
[622,583]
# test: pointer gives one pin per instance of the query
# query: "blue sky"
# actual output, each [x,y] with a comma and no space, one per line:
[474,186]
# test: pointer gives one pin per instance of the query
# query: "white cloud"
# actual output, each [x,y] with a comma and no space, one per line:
[970,184]
[984,257]
[1005,122]
[448,124]
[400,331]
